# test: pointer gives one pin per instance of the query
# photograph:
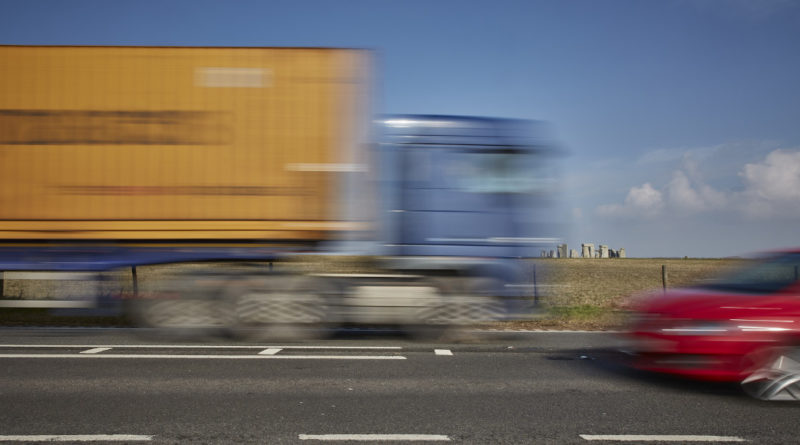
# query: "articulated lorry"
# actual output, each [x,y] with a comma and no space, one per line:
[122,157]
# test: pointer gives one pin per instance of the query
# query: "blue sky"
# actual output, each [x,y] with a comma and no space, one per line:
[680,116]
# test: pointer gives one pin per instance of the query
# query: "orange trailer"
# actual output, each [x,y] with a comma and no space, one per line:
[179,143]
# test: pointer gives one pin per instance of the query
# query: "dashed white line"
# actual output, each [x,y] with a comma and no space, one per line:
[76,438]
[376,437]
[94,350]
[442,352]
[210,357]
[270,351]
[660,438]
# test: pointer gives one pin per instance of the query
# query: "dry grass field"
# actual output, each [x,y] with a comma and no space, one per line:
[594,293]
[573,293]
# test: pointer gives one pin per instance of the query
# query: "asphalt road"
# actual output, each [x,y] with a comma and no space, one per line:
[110,386]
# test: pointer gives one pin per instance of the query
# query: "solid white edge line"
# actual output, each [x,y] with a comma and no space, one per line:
[375,437]
[660,438]
[94,350]
[76,438]
[377,348]
[47,304]
[442,352]
[270,351]
[220,356]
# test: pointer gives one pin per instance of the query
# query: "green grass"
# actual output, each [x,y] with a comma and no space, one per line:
[584,312]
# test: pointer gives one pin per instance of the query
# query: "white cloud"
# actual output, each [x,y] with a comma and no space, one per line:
[644,198]
[681,194]
[693,195]
[772,187]
[777,178]
[767,188]
[641,201]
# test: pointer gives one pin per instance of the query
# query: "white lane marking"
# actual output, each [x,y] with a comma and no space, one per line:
[377,348]
[220,356]
[376,437]
[442,352]
[76,438]
[94,350]
[661,438]
[44,304]
[270,351]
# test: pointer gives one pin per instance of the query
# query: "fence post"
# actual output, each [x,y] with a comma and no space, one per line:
[664,277]
[135,282]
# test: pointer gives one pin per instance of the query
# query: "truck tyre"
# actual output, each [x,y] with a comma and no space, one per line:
[280,307]
[182,306]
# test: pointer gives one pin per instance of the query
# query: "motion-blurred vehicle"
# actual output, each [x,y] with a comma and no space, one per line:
[119,157]
[742,327]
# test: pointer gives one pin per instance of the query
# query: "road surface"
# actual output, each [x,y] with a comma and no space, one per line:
[115,387]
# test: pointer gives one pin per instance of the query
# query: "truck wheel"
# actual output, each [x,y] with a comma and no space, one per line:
[184,305]
[486,304]
[280,307]
[431,322]
[181,317]
[465,301]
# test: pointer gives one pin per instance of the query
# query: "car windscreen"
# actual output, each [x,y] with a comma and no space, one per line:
[766,275]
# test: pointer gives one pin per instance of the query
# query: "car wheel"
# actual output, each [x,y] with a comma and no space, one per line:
[777,377]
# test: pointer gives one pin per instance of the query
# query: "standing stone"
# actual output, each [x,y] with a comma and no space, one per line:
[587,250]
[603,251]
[622,252]
[552,254]
[573,253]
[562,250]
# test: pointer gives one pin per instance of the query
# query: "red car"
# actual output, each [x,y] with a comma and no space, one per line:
[742,327]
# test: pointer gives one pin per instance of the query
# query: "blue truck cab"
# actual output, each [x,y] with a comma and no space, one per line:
[469,197]
[463,186]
